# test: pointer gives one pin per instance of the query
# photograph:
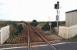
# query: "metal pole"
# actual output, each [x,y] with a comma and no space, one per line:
[57,20]
[57,16]
[50,26]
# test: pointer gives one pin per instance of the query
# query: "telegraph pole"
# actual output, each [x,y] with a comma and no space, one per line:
[57,16]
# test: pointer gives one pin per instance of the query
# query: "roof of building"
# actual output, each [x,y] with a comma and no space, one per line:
[71,11]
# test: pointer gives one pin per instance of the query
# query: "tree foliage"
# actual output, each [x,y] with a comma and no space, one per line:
[47,27]
[34,23]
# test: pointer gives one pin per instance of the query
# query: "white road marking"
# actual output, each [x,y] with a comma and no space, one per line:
[35,45]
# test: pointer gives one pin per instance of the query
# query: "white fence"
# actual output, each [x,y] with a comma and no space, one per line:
[68,32]
[4,34]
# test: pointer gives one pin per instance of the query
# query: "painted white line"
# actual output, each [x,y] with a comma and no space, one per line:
[26,43]
[59,43]
[34,46]
[14,47]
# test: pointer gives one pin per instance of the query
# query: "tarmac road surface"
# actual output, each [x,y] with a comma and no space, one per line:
[58,46]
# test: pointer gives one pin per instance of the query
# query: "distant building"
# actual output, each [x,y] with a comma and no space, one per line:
[71,18]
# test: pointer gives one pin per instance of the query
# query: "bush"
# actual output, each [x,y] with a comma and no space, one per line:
[47,27]
[19,28]
[34,23]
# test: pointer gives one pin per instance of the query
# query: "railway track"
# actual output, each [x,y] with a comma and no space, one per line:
[31,35]
[40,34]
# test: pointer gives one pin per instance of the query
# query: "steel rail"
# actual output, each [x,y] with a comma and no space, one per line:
[28,29]
[44,38]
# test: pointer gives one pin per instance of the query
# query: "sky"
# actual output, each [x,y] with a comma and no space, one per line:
[28,10]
